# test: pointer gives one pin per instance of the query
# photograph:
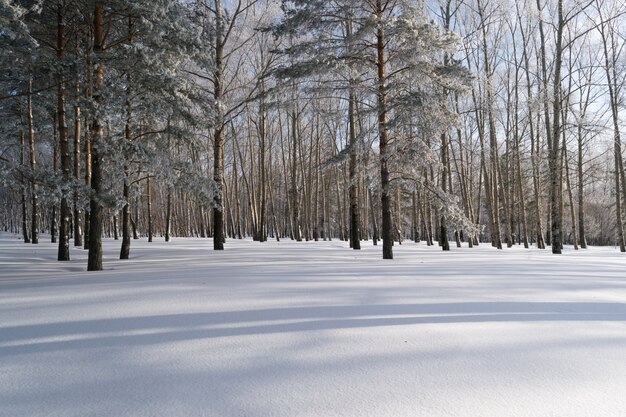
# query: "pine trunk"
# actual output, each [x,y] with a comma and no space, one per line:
[94,261]
[64,226]
[385,200]
[34,213]
[23,191]
[218,138]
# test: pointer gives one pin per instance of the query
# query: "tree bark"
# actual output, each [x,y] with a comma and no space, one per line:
[385,200]
[443,228]
[78,232]
[353,191]
[23,190]
[218,138]
[610,61]
[126,216]
[64,226]
[149,200]
[55,158]
[94,260]
[34,213]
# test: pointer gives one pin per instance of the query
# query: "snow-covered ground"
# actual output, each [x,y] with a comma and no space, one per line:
[312,329]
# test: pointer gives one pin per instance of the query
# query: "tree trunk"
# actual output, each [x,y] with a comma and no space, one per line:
[149,200]
[218,145]
[443,228]
[517,158]
[78,232]
[168,214]
[126,216]
[385,200]
[620,181]
[64,226]
[55,158]
[23,191]
[582,238]
[94,261]
[34,213]
[491,181]
[295,203]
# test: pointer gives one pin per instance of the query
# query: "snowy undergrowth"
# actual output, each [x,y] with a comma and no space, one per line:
[312,329]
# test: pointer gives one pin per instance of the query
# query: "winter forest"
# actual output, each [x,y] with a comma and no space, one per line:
[446,122]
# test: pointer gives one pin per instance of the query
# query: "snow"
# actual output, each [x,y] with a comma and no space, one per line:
[311,329]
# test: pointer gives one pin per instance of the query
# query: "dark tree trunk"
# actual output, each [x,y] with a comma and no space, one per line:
[126,218]
[355,241]
[64,226]
[554,158]
[34,213]
[126,229]
[385,200]
[582,238]
[94,261]
[443,228]
[168,214]
[55,158]
[88,184]
[149,200]
[78,238]
[125,248]
[218,149]
[23,191]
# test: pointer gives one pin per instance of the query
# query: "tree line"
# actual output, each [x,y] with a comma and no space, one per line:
[437,121]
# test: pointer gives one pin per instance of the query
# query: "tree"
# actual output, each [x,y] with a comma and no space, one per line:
[612,50]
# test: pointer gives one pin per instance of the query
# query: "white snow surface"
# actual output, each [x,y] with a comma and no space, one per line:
[311,329]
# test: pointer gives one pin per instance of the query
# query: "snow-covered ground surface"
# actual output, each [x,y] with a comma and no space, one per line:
[312,329]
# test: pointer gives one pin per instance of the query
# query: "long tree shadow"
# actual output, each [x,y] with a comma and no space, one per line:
[160,329]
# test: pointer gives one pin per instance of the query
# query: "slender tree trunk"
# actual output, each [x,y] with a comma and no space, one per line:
[94,261]
[385,200]
[353,186]
[445,158]
[355,241]
[126,228]
[55,158]
[570,196]
[582,238]
[295,203]
[318,178]
[88,184]
[34,213]
[414,218]
[518,165]
[126,216]
[78,232]
[555,167]
[116,234]
[135,217]
[374,218]
[64,227]
[493,179]
[23,190]
[168,214]
[261,231]
[443,228]
[553,129]
[89,97]
[149,199]
[218,145]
